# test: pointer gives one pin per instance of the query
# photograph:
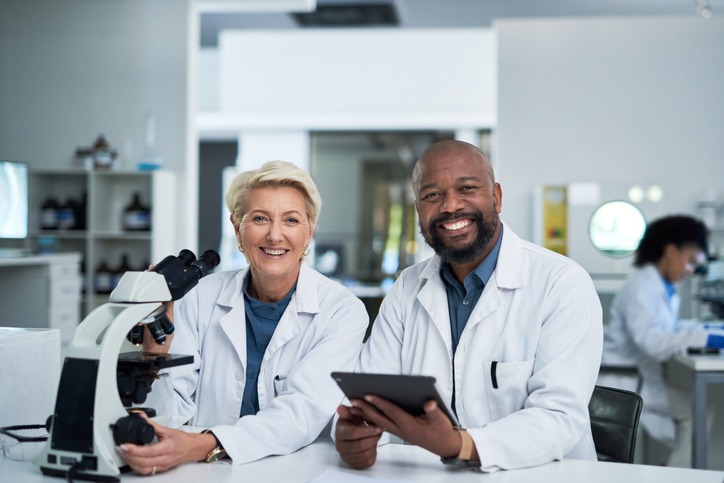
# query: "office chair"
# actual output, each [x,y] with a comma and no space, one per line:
[626,371]
[614,420]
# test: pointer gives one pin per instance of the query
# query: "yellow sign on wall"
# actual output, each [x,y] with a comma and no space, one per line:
[555,218]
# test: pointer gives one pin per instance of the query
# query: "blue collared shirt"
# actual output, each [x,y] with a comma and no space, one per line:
[461,299]
[262,319]
[670,288]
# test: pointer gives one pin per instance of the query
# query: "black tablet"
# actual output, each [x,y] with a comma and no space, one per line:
[408,392]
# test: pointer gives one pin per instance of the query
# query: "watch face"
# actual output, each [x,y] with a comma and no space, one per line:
[454,461]
[215,455]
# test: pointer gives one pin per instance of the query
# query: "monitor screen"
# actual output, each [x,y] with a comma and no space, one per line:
[13,200]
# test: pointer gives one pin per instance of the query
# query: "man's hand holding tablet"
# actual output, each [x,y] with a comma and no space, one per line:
[409,407]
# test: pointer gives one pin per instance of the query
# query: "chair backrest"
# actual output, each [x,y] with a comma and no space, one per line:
[614,421]
[625,371]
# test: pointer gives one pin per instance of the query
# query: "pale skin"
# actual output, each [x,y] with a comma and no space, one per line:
[274,232]
[451,180]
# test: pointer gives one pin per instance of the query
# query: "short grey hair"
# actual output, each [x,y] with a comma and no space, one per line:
[273,174]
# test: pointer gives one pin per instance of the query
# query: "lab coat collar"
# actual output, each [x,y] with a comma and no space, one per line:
[672,302]
[507,274]
[304,298]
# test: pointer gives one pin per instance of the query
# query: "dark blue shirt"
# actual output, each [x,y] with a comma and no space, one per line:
[461,299]
[262,319]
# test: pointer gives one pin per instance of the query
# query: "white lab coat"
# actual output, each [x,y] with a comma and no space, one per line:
[644,331]
[539,318]
[321,331]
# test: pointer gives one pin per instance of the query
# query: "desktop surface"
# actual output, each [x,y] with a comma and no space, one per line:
[320,462]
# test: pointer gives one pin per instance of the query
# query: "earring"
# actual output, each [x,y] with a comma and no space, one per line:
[306,251]
[241,249]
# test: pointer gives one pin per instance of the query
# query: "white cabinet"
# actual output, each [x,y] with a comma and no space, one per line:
[41,291]
[102,237]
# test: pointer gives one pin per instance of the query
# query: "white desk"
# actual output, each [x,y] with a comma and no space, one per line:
[395,462]
[706,369]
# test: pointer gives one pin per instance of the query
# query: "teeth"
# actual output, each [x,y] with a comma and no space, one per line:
[274,252]
[457,225]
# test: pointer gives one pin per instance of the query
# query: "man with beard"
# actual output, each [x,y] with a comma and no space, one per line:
[512,333]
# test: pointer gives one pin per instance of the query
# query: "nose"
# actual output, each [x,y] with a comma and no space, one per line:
[451,201]
[275,232]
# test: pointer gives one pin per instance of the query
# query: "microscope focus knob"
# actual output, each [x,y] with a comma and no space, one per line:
[132,429]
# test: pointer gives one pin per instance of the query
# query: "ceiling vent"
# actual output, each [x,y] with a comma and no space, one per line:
[350,15]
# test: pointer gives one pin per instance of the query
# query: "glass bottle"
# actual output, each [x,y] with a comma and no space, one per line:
[103,278]
[66,215]
[136,215]
[49,214]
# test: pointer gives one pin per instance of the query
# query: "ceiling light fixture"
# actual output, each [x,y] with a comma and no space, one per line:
[704,9]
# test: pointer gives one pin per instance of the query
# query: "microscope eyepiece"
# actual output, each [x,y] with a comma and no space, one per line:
[182,273]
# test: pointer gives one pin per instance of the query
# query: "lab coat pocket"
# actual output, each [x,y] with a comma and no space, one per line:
[507,386]
[280,385]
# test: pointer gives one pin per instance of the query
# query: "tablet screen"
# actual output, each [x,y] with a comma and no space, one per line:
[408,392]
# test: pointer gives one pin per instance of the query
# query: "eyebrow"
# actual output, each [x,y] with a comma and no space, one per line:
[265,212]
[462,179]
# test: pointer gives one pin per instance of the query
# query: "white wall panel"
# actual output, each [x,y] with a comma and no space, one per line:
[317,76]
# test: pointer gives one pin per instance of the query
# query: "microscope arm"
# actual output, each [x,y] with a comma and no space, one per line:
[88,403]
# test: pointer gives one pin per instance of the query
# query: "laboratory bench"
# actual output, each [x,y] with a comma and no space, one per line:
[320,463]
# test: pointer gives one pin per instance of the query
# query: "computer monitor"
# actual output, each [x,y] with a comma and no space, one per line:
[13,200]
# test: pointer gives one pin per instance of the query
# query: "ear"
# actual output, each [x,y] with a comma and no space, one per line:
[312,227]
[670,249]
[234,223]
[497,198]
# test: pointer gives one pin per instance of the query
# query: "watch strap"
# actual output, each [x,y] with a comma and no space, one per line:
[466,450]
[465,455]
[218,452]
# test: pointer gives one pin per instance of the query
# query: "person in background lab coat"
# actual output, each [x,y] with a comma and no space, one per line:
[264,339]
[511,331]
[644,328]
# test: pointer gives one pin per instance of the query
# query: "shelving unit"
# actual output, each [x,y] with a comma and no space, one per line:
[108,193]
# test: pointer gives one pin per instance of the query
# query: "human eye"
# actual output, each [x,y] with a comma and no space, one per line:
[431,196]
[259,219]
[292,220]
[468,189]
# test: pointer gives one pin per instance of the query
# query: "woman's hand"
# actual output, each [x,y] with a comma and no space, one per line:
[174,447]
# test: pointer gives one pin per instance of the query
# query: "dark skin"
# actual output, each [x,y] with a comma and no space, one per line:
[450,181]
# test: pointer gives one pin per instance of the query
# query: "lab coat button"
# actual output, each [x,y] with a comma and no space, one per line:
[239,376]
[230,420]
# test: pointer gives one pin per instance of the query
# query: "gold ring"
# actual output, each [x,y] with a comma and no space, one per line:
[153,471]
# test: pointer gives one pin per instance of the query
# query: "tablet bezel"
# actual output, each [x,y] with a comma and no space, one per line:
[406,391]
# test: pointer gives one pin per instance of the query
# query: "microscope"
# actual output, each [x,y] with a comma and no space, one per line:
[98,384]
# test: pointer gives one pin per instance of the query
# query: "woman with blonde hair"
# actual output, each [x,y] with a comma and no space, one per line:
[264,338]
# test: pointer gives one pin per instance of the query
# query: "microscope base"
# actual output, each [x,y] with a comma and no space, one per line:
[82,476]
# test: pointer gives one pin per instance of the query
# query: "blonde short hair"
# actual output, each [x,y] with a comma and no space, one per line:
[274,174]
